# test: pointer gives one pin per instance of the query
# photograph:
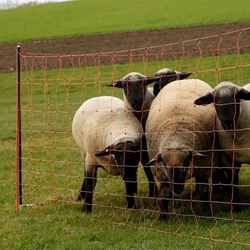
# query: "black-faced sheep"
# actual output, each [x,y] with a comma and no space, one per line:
[136,95]
[233,129]
[138,99]
[180,140]
[166,76]
[109,137]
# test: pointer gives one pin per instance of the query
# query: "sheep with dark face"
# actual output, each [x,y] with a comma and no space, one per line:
[138,99]
[180,140]
[136,95]
[109,137]
[233,128]
[166,76]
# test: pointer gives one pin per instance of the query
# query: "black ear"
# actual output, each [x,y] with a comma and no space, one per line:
[117,84]
[183,75]
[119,147]
[107,151]
[156,159]
[151,79]
[198,155]
[244,94]
[204,100]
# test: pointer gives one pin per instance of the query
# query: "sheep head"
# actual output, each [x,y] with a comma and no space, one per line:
[226,98]
[165,76]
[127,156]
[134,87]
[174,167]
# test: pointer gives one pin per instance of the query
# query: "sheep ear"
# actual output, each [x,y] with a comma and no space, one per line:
[204,100]
[117,84]
[156,159]
[183,75]
[198,155]
[118,147]
[107,151]
[244,94]
[151,80]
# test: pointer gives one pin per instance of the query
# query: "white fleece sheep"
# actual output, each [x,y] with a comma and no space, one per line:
[180,140]
[233,128]
[109,137]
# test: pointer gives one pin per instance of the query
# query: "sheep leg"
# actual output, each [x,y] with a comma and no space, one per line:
[218,177]
[203,189]
[130,190]
[82,193]
[153,191]
[129,176]
[233,176]
[165,193]
[231,185]
[235,196]
[89,187]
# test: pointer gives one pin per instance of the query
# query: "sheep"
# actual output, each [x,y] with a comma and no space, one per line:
[232,127]
[137,96]
[138,99]
[166,76]
[180,141]
[109,137]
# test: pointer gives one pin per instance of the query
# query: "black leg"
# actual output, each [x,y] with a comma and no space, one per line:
[130,190]
[235,196]
[87,206]
[203,189]
[232,186]
[165,194]
[153,191]
[82,193]
[163,209]
[89,187]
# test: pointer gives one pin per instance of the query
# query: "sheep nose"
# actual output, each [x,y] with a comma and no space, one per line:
[137,104]
[228,126]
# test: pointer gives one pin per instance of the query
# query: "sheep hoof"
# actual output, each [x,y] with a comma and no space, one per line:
[133,206]
[86,209]
[81,196]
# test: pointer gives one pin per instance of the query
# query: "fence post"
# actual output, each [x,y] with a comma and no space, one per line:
[18,132]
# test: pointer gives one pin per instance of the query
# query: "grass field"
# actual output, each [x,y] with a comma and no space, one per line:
[94,17]
[51,160]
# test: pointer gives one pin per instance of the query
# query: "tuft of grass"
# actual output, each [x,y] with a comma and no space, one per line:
[76,18]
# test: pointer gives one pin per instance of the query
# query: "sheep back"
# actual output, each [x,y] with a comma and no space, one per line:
[174,122]
[99,123]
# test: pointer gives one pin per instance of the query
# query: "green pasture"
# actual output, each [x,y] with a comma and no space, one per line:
[83,17]
[52,168]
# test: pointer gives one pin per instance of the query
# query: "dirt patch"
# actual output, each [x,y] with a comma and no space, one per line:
[232,43]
